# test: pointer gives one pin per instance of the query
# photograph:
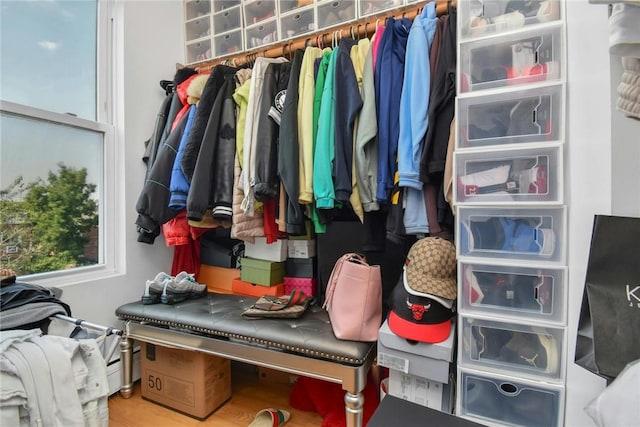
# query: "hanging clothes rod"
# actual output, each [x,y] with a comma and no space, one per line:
[79,322]
[365,27]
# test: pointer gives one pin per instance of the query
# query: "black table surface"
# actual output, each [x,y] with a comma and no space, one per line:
[396,412]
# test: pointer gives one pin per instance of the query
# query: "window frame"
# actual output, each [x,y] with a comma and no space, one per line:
[111,235]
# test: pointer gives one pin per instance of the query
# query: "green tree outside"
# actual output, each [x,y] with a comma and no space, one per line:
[45,225]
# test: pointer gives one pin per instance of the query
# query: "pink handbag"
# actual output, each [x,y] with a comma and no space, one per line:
[354,299]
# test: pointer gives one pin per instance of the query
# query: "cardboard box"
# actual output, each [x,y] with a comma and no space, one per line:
[217,279]
[260,249]
[301,248]
[432,394]
[301,267]
[240,287]
[305,284]
[431,361]
[261,272]
[273,376]
[190,382]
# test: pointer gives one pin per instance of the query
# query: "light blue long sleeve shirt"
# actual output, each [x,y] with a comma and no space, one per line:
[414,102]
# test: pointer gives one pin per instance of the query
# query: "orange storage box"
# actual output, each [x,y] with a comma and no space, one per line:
[218,279]
[241,287]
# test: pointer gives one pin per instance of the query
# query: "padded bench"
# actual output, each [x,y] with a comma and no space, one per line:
[214,324]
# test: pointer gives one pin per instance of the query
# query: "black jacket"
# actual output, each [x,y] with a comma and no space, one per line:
[212,179]
[153,203]
[275,81]
[202,118]
[288,151]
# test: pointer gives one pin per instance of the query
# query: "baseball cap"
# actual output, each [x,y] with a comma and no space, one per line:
[422,305]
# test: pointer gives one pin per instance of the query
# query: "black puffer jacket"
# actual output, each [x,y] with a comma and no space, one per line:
[276,79]
[212,180]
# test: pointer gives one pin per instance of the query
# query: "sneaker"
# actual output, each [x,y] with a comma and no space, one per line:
[511,236]
[534,180]
[531,350]
[154,288]
[494,180]
[182,287]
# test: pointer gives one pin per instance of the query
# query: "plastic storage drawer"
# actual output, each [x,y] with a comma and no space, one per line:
[335,12]
[371,7]
[512,233]
[261,34]
[228,43]
[196,9]
[297,23]
[535,293]
[505,400]
[480,17]
[219,5]
[258,10]
[227,20]
[198,51]
[290,5]
[512,59]
[197,28]
[510,176]
[534,351]
[510,117]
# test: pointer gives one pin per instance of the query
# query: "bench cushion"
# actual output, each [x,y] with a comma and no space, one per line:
[219,315]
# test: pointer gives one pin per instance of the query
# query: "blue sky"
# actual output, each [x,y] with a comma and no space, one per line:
[47,60]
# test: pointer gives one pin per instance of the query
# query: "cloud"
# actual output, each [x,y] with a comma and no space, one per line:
[49,45]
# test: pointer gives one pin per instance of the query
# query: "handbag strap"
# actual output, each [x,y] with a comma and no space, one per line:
[335,273]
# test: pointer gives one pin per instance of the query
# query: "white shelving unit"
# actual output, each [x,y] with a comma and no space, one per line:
[511,220]
[217,28]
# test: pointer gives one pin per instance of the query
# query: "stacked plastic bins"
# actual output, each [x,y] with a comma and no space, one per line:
[511,231]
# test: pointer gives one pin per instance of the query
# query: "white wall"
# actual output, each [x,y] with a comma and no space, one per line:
[150,38]
[603,169]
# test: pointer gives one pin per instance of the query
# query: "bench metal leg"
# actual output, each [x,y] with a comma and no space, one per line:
[354,407]
[126,367]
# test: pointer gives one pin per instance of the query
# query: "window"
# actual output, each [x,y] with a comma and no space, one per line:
[56,137]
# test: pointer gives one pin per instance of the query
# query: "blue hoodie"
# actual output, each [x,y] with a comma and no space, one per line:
[414,102]
[179,186]
[388,81]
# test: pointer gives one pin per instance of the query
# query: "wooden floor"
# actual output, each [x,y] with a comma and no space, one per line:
[248,397]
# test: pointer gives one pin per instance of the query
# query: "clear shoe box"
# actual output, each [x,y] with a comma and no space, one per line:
[511,59]
[481,17]
[503,400]
[261,34]
[228,43]
[227,20]
[536,293]
[371,7]
[197,28]
[196,9]
[533,351]
[335,12]
[198,51]
[258,10]
[536,234]
[510,117]
[509,176]
[219,5]
[297,23]
[290,5]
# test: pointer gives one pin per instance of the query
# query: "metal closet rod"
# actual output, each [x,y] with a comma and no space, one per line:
[356,29]
[79,322]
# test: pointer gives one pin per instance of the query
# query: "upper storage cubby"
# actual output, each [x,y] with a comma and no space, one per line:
[220,5]
[514,59]
[196,9]
[256,11]
[483,17]
[291,5]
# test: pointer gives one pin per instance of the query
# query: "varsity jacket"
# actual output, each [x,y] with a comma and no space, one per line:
[212,180]
[274,90]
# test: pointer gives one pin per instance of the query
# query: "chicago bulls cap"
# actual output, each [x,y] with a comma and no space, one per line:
[419,318]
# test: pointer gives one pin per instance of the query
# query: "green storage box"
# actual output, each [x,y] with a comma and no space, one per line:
[261,272]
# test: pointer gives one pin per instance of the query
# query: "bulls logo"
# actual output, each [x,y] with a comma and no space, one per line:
[418,310]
